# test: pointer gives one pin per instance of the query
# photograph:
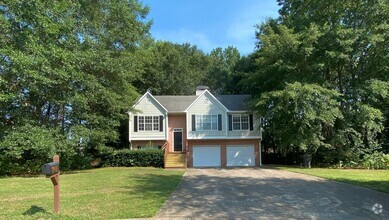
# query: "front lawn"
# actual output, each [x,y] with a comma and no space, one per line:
[373,179]
[105,193]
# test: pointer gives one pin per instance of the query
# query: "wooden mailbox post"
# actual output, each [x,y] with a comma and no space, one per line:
[51,170]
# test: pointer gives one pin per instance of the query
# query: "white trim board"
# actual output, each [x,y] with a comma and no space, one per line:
[212,96]
[223,137]
[148,93]
[149,139]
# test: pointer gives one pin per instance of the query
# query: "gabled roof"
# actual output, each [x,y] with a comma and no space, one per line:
[181,103]
[176,103]
[212,96]
[149,94]
[235,102]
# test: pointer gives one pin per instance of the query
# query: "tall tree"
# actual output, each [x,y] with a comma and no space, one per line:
[338,45]
[221,72]
[68,66]
[304,112]
[172,69]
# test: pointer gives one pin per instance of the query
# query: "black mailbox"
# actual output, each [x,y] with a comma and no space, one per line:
[50,168]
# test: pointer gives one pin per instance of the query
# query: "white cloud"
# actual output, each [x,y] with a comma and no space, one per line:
[241,32]
[237,31]
[201,40]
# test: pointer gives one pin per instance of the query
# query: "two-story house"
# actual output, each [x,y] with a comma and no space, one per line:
[202,130]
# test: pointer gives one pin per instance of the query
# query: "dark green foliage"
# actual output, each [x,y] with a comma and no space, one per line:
[338,46]
[375,160]
[25,149]
[66,69]
[167,68]
[221,76]
[298,115]
[71,70]
[134,158]
[171,69]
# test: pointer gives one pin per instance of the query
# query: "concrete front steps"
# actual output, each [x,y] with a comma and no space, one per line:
[175,160]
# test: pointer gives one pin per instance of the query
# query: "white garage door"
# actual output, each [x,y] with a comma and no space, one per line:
[206,156]
[240,155]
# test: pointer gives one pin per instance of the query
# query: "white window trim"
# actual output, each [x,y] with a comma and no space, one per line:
[240,122]
[202,124]
[152,123]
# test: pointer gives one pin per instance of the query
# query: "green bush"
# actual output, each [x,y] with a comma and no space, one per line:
[376,160]
[26,149]
[134,158]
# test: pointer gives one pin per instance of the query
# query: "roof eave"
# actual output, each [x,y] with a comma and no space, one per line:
[202,94]
[148,93]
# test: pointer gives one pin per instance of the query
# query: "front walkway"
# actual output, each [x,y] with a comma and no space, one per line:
[270,194]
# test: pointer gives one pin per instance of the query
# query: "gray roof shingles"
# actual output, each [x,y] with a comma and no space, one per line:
[176,103]
[181,103]
[235,102]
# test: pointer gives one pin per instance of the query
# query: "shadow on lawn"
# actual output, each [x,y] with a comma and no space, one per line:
[39,174]
[156,184]
[34,209]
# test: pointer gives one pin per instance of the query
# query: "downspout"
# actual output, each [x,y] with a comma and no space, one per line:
[129,129]
[226,123]
[260,152]
[259,143]
[167,127]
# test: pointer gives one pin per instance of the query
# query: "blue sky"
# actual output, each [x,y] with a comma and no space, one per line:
[210,23]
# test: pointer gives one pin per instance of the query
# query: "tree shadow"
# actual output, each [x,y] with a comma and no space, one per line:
[39,174]
[254,193]
[34,209]
[156,184]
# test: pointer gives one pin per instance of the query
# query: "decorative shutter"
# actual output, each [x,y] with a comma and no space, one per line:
[193,122]
[161,123]
[135,123]
[230,122]
[219,121]
[251,122]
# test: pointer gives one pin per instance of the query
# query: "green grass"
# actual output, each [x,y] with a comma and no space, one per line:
[105,193]
[373,179]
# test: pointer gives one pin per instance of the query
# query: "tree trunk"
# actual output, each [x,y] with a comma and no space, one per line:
[307,158]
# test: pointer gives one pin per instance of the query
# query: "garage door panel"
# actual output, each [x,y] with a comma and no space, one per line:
[240,155]
[206,156]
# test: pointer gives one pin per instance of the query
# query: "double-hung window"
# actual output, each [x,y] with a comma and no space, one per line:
[148,123]
[240,122]
[207,122]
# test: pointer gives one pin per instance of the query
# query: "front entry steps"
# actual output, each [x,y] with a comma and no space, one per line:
[175,160]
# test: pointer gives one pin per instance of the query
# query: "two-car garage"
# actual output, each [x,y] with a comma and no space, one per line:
[207,156]
[240,155]
[230,155]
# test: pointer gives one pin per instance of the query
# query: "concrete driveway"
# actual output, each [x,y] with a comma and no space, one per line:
[270,194]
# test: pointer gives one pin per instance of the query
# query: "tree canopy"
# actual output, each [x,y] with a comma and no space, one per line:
[71,70]
[67,67]
[337,46]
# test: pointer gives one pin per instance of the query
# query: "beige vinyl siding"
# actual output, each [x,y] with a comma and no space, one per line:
[206,105]
[148,107]
[247,133]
